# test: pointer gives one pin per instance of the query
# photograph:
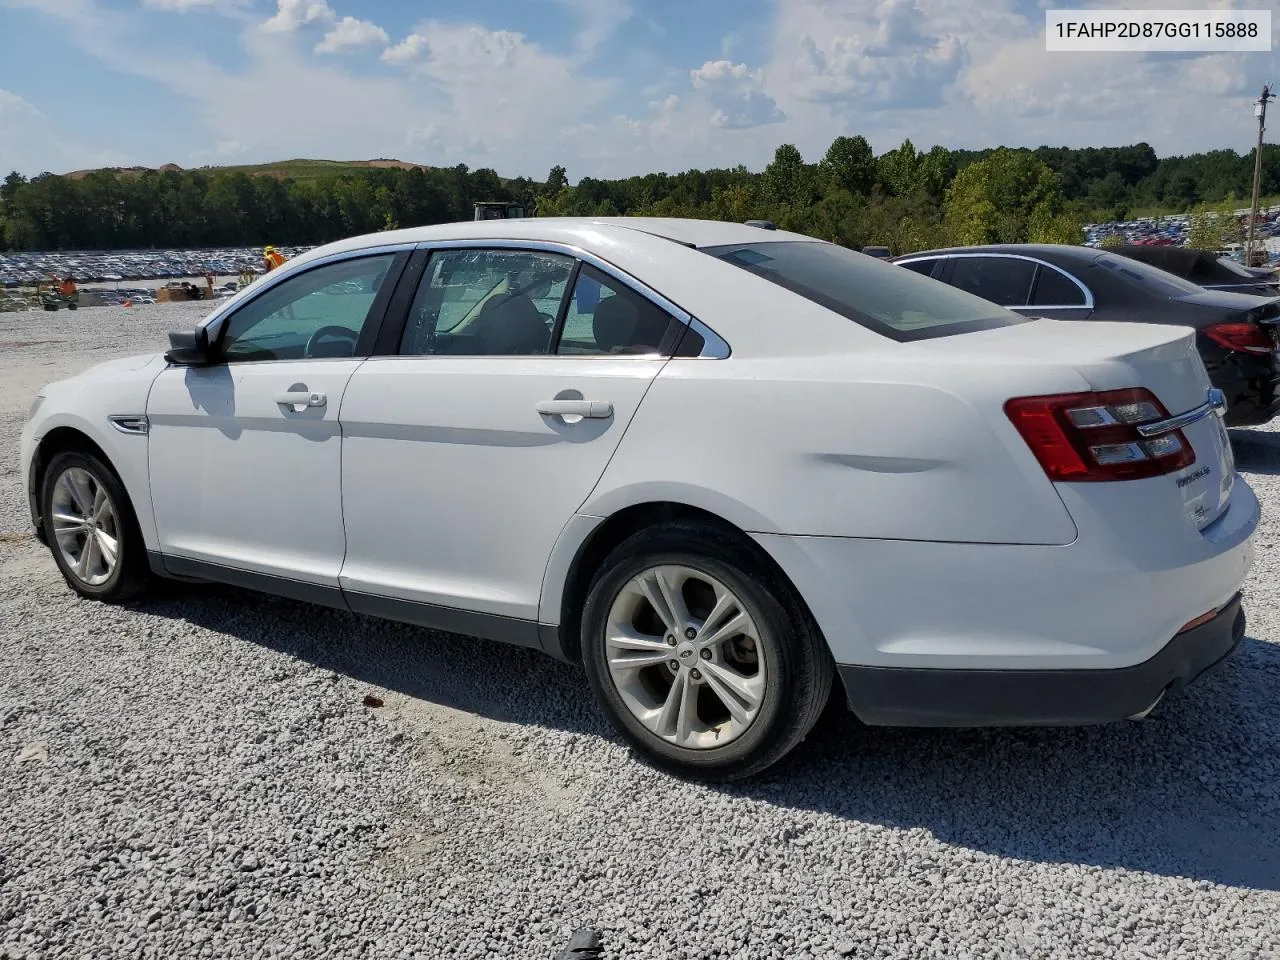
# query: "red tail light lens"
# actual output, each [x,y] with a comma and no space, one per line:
[1090,437]
[1241,337]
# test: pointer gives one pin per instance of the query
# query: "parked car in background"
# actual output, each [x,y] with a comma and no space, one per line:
[1236,334]
[726,469]
[1205,268]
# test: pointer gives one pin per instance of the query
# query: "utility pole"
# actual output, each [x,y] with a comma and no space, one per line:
[1259,111]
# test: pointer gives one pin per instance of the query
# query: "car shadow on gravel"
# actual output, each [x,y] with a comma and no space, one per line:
[1193,791]
[1256,451]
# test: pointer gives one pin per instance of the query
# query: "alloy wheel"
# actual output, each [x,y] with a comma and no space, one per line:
[86,526]
[685,657]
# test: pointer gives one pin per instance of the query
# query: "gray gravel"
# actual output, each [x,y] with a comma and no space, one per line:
[198,777]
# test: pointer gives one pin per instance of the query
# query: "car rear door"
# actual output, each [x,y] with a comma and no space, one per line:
[1025,284]
[467,451]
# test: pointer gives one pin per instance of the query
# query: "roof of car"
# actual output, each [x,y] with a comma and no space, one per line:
[695,233]
[1051,250]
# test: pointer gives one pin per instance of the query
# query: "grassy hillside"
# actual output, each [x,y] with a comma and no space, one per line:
[283,169]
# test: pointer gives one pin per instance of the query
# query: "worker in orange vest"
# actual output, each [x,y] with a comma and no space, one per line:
[67,287]
[272,258]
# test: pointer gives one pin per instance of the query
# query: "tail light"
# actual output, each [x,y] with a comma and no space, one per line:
[1084,437]
[1240,337]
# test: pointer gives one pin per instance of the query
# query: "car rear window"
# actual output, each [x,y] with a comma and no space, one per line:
[1153,278]
[899,304]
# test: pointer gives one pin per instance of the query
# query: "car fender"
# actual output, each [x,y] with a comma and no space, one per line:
[68,405]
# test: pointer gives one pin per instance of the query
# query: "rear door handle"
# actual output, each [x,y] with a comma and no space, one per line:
[301,398]
[590,409]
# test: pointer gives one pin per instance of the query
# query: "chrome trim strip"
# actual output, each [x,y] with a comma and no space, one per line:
[714,349]
[1217,403]
[134,424]
[1088,294]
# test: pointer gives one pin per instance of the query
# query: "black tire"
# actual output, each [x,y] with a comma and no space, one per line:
[799,665]
[132,573]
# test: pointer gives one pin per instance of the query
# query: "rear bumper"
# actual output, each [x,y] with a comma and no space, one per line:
[892,696]
[1252,386]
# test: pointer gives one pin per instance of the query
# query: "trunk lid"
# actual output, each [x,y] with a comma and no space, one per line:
[1115,356]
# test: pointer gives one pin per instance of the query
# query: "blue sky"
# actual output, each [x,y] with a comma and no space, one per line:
[606,87]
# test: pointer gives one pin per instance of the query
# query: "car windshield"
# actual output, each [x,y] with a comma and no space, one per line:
[900,304]
[1153,278]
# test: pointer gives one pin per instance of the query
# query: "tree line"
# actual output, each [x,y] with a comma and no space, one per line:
[905,199]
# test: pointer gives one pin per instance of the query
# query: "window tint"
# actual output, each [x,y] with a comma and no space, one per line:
[881,296]
[1001,280]
[319,313]
[608,317]
[487,302]
[1153,278]
[923,267]
[1053,289]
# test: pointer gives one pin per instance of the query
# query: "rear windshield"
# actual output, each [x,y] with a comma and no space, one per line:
[898,303]
[1153,278]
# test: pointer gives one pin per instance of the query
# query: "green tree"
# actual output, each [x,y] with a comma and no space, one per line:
[849,165]
[899,169]
[1005,199]
[557,179]
[785,180]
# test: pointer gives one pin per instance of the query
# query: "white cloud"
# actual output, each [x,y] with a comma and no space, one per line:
[959,72]
[185,6]
[865,57]
[497,89]
[734,91]
[292,14]
[352,34]
[411,48]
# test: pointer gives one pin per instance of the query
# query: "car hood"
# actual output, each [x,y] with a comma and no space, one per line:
[122,364]
[117,369]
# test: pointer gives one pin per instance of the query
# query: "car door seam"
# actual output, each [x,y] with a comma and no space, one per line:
[635,410]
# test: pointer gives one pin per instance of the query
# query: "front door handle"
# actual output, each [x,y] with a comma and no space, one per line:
[300,399]
[589,409]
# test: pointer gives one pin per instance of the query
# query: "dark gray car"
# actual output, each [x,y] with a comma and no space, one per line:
[1236,334]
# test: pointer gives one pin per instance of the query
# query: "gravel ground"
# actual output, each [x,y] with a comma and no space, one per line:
[198,776]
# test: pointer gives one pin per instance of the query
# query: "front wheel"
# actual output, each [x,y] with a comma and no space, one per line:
[700,656]
[91,528]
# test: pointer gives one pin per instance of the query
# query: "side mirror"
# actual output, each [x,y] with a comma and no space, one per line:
[189,348]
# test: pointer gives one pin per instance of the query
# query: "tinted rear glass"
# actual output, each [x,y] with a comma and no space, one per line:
[1153,278]
[883,297]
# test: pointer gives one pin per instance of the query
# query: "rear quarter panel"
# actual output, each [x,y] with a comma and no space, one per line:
[894,444]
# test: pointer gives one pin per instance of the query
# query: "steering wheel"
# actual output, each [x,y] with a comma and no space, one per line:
[330,331]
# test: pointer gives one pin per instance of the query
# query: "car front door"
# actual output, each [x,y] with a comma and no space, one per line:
[466,453]
[245,452]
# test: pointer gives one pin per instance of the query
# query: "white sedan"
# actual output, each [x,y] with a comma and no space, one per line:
[730,470]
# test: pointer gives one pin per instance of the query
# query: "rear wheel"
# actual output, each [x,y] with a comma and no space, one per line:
[701,657]
[91,529]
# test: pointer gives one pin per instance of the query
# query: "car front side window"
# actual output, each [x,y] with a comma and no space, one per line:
[316,313]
